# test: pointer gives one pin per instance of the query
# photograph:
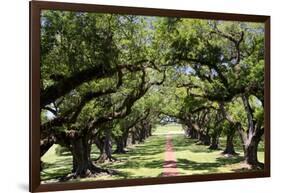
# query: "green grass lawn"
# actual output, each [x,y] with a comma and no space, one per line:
[141,160]
[198,159]
[165,129]
[146,159]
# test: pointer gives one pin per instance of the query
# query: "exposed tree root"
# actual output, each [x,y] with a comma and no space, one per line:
[92,171]
[214,147]
[255,166]
[104,158]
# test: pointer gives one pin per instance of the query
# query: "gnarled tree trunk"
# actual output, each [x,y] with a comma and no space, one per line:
[251,137]
[120,145]
[251,152]
[203,138]
[250,147]
[191,132]
[80,148]
[133,135]
[105,147]
[214,143]
[82,164]
[142,134]
[229,149]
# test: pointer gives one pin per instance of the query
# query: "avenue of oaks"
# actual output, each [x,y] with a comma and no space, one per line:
[108,80]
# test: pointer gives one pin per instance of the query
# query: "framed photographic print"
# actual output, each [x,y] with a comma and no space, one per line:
[123,96]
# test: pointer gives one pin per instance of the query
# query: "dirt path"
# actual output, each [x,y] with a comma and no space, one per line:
[170,162]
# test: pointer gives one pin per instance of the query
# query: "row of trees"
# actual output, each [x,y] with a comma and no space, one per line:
[96,85]
[221,66]
[111,78]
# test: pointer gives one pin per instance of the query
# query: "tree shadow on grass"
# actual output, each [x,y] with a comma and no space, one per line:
[128,164]
[58,163]
[62,171]
[209,167]
[189,165]
[124,174]
[137,163]
[182,143]
[154,164]
[245,169]
[56,169]
[229,160]
[147,155]
[147,151]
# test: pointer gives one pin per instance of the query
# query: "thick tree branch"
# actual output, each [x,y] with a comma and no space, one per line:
[67,84]
[126,106]
[235,41]
[71,115]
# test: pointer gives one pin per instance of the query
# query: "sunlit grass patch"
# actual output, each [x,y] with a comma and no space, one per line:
[168,129]
[198,159]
